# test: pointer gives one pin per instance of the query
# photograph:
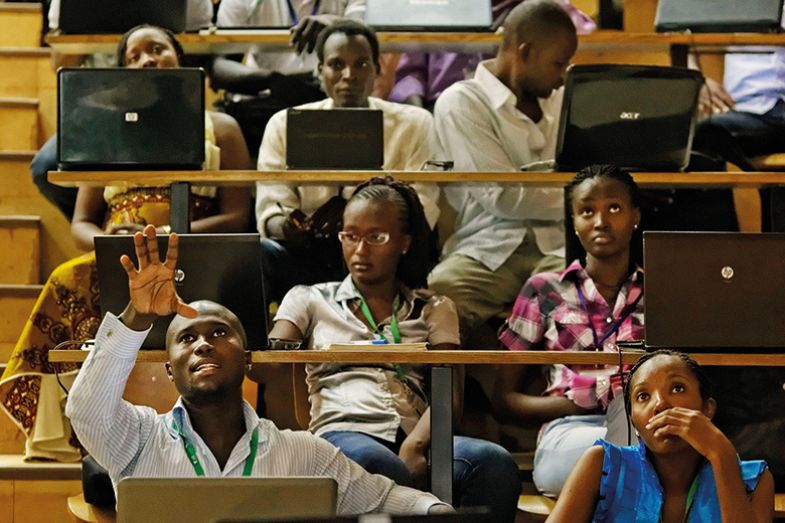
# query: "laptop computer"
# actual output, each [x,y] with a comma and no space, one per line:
[638,117]
[429,15]
[203,500]
[116,119]
[351,139]
[463,515]
[708,290]
[118,16]
[224,268]
[719,16]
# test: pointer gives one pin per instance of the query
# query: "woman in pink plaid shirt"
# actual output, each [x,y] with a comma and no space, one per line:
[587,306]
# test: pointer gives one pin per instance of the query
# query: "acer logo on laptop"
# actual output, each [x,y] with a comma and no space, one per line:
[629,115]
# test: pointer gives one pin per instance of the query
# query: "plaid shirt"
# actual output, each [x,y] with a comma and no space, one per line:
[548,314]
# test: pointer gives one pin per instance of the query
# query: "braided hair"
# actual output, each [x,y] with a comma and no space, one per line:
[414,266]
[123,44]
[613,172]
[704,383]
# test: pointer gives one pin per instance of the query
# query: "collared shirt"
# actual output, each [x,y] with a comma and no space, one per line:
[479,128]
[408,144]
[136,441]
[372,400]
[429,74]
[548,314]
[756,81]
[275,13]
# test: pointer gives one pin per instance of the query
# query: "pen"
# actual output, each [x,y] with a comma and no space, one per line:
[379,342]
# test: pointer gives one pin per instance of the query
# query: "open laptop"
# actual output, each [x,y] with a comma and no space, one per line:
[203,500]
[463,515]
[118,16]
[429,15]
[719,16]
[119,119]
[351,139]
[224,268]
[637,117]
[707,290]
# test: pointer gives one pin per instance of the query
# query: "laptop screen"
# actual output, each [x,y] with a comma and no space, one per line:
[130,118]
[719,16]
[118,16]
[637,117]
[224,268]
[334,139]
[710,290]
[419,15]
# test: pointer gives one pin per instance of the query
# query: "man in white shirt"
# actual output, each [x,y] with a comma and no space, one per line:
[506,117]
[279,79]
[348,54]
[211,430]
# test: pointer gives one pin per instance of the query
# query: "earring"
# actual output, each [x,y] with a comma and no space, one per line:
[635,226]
[404,251]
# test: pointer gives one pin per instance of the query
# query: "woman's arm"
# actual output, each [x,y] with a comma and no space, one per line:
[89,214]
[233,202]
[517,398]
[581,491]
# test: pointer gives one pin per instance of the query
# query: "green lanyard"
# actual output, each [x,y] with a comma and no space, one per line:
[393,328]
[690,499]
[190,451]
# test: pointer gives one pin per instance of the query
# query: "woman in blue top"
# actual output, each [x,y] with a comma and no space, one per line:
[685,469]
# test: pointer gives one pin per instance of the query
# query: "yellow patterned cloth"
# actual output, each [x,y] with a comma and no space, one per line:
[33,390]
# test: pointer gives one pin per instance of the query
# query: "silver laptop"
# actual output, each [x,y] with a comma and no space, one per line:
[429,15]
[203,500]
[138,119]
[224,268]
[719,16]
[334,139]
[707,290]
[637,117]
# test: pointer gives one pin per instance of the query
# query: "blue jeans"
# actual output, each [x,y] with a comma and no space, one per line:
[484,474]
[64,198]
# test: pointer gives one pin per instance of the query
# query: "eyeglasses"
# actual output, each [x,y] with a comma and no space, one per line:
[372,238]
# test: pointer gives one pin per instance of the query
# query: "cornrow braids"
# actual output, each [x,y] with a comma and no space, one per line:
[609,171]
[414,266]
[704,383]
[123,44]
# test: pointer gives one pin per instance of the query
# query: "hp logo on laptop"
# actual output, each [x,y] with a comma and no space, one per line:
[727,273]
[179,276]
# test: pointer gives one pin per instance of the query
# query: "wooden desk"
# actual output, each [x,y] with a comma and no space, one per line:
[238,41]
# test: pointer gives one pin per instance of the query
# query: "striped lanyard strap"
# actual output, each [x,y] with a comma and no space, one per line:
[293,15]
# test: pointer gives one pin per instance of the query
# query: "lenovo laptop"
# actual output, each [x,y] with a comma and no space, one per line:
[719,16]
[120,119]
[707,290]
[429,15]
[118,16]
[203,500]
[224,268]
[637,117]
[351,139]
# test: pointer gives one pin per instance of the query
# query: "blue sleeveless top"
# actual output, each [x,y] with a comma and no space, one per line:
[630,490]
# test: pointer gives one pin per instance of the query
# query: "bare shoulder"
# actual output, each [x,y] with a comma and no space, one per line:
[223,124]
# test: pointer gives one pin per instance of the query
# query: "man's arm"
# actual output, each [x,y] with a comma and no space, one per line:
[468,139]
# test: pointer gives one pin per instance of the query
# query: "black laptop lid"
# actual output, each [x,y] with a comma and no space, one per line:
[118,16]
[707,290]
[224,268]
[130,118]
[716,16]
[637,117]
[429,15]
[351,139]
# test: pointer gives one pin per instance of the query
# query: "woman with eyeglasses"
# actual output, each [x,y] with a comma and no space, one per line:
[378,414]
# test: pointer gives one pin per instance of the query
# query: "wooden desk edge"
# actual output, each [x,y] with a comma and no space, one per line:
[459,357]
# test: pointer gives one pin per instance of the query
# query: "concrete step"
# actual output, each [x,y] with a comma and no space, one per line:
[16,302]
[18,195]
[18,124]
[21,23]
[20,240]
[23,70]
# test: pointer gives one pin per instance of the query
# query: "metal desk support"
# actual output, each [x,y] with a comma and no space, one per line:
[180,207]
[441,432]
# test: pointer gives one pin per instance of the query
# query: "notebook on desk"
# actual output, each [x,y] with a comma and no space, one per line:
[351,139]
[711,290]
[203,500]
[637,117]
[429,15]
[224,268]
[116,119]
[118,16]
[719,16]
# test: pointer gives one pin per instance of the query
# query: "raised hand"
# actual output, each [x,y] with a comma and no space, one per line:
[152,286]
